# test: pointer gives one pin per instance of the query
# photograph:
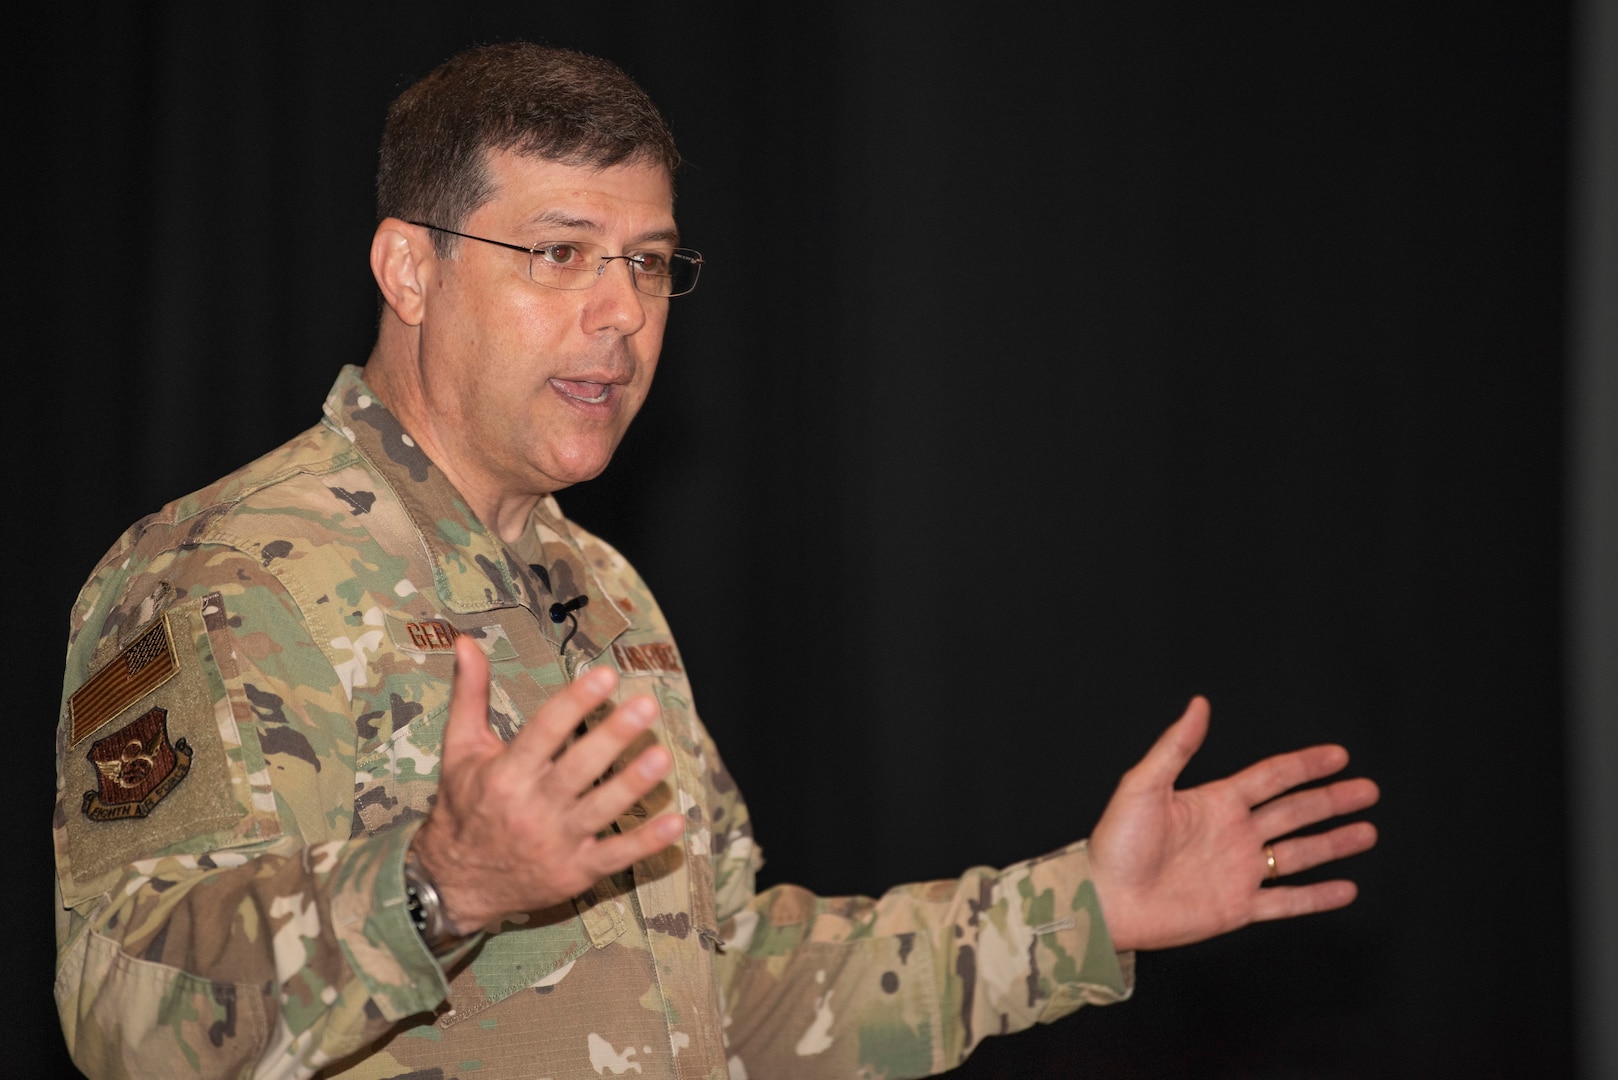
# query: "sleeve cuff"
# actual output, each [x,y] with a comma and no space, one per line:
[1104,976]
[372,923]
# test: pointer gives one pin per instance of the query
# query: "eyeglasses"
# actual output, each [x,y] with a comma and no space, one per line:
[571,264]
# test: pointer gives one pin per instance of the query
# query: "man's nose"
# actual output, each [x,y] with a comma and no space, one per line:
[615,303]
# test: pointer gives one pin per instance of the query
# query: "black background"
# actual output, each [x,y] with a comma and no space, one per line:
[1045,371]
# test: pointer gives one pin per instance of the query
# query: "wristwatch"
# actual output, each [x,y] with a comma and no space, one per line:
[426,909]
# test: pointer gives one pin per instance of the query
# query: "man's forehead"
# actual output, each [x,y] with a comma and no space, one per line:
[539,193]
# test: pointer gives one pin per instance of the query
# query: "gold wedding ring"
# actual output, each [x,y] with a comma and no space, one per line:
[1269,857]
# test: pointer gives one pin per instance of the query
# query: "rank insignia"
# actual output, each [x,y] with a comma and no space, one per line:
[138,768]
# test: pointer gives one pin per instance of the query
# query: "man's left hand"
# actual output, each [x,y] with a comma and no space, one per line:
[1173,867]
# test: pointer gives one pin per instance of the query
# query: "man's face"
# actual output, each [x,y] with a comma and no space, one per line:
[528,388]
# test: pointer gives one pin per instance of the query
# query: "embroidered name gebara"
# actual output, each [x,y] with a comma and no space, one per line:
[138,766]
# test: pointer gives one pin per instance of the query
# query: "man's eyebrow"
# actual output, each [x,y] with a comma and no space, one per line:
[563,219]
[670,236]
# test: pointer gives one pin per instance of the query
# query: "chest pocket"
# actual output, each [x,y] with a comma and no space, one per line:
[675,887]
[395,783]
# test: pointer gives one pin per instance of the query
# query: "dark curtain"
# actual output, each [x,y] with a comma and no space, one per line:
[1046,370]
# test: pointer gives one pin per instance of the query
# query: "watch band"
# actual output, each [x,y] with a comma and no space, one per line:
[426,909]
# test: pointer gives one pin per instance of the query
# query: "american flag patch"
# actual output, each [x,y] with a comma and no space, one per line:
[144,664]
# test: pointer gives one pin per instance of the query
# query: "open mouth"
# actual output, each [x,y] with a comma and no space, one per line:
[590,393]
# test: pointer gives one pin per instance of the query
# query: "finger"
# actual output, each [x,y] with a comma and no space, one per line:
[586,760]
[1307,852]
[1263,781]
[1168,756]
[620,850]
[604,803]
[1304,808]
[1287,901]
[545,732]
[467,733]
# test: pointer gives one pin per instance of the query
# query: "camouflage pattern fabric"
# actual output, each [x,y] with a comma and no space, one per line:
[257,684]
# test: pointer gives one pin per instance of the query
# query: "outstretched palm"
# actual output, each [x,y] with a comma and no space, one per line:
[1172,867]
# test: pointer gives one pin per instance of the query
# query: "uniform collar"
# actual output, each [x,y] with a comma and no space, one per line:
[473,569]
[470,565]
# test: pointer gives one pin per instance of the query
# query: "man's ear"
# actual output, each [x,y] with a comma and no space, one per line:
[402,258]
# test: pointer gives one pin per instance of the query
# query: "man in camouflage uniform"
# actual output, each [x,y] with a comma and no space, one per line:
[342,787]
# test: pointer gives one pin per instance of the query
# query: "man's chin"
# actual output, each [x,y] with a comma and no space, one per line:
[576,470]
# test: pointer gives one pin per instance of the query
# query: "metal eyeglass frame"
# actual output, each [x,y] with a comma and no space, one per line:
[692,257]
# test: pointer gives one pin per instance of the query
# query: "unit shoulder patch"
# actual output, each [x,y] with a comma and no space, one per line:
[137,766]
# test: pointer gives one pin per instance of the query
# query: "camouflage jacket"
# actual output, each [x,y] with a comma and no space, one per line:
[257,683]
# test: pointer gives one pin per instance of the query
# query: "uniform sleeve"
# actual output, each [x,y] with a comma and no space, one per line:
[908,985]
[215,916]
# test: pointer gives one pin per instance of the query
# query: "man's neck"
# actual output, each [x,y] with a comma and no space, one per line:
[505,514]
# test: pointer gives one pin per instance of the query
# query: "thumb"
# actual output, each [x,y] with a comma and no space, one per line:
[467,733]
[1168,757]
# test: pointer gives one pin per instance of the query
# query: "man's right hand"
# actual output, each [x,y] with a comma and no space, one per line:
[516,826]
